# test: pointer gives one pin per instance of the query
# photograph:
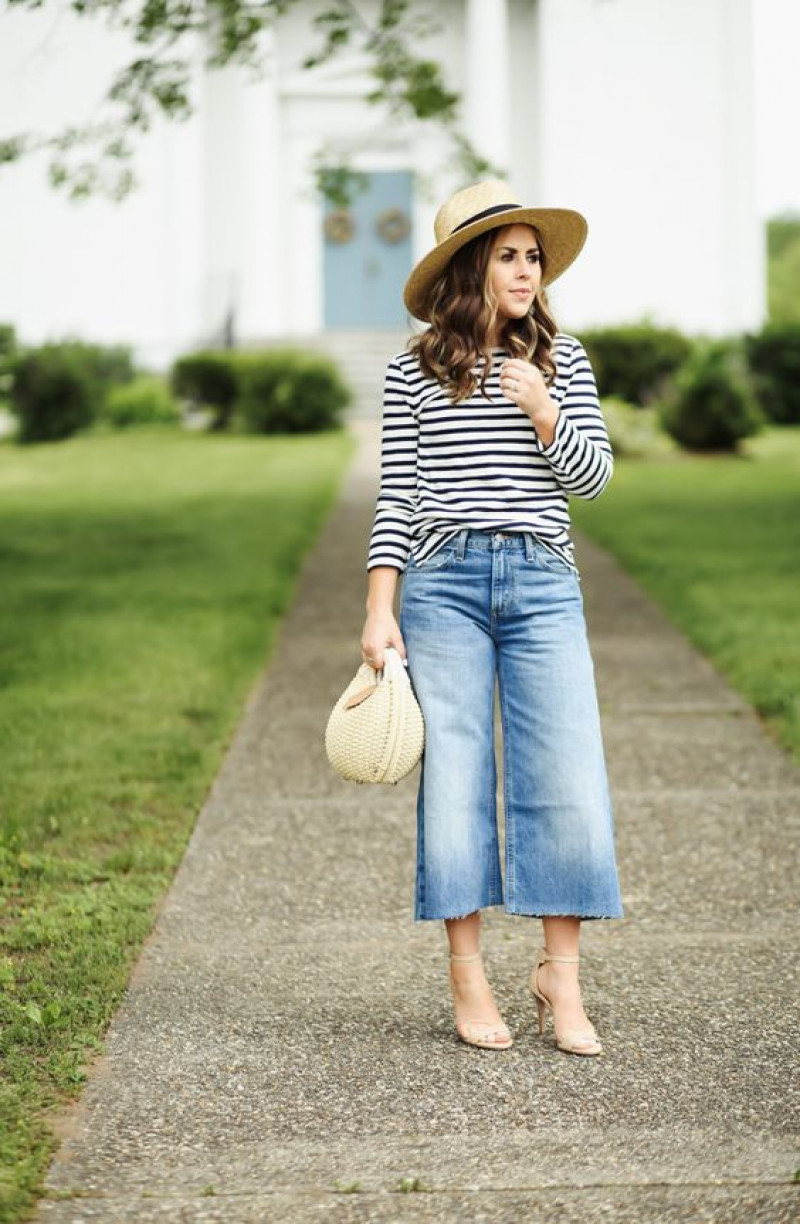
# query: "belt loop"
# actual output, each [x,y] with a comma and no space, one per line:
[461,543]
[530,546]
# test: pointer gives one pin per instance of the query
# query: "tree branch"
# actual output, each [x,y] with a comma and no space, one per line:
[158,84]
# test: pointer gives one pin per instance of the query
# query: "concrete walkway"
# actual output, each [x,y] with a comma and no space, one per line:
[287,1033]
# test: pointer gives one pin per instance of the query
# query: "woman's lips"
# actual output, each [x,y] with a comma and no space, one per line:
[521,292]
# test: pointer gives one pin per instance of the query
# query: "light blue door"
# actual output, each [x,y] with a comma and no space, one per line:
[368,254]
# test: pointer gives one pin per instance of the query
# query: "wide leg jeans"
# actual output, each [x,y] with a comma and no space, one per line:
[496,609]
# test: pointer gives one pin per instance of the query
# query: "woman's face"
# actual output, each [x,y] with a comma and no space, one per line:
[514,271]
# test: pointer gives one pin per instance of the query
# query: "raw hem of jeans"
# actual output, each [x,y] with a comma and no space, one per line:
[456,917]
[558,914]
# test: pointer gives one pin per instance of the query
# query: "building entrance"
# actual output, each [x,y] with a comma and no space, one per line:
[368,254]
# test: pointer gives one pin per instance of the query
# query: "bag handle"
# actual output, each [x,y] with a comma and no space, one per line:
[391,657]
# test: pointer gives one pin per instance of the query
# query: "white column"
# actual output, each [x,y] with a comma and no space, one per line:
[262,308]
[223,198]
[301,251]
[487,80]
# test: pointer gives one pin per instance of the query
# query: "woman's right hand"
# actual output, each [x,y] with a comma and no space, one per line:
[381,630]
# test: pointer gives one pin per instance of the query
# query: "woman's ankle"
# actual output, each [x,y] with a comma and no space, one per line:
[463,935]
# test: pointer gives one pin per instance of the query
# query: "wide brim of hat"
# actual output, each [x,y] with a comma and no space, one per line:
[563,232]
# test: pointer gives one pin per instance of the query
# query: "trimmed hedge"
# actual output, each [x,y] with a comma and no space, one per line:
[8,356]
[209,379]
[634,363]
[783,269]
[639,365]
[774,357]
[710,404]
[109,364]
[53,394]
[287,390]
[59,388]
[145,401]
[290,391]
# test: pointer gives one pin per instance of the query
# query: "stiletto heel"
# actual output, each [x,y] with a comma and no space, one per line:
[479,1032]
[571,1040]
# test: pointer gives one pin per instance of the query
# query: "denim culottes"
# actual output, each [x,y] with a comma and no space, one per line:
[493,606]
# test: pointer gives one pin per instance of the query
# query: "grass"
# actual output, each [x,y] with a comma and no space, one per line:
[716,540]
[143,577]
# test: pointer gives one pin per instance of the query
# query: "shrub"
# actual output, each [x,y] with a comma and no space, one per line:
[8,356]
[105,365]
[53,395]
[634,432]
[635,362]
[60,388]
[209,379]
[8,363]
[774,358]
[290,391]
[145,401]
[783,268]
[110,364]
[711,405]
[8,339]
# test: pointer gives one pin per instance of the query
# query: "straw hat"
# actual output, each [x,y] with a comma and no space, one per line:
[490,205]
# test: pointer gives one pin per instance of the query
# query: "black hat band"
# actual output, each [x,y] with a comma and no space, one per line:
[487,212]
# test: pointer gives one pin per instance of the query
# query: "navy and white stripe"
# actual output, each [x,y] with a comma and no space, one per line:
[480,464]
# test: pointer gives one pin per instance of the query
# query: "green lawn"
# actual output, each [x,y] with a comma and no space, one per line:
[717,541]
[142,578]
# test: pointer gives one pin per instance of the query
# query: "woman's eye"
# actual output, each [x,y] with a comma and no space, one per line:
[507,255]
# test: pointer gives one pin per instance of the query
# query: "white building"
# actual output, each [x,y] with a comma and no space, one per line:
[637,112]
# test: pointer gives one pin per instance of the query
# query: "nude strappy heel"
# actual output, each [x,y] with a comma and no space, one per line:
[572,1041]
[477,1032]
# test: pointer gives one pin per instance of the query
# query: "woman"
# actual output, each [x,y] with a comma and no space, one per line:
[491,420]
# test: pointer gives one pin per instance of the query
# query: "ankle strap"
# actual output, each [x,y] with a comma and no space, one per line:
[544,955]
[472,957]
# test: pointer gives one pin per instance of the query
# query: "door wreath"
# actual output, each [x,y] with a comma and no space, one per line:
[339,225]
[393,225]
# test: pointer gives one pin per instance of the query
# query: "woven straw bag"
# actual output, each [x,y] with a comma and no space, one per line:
[375,732]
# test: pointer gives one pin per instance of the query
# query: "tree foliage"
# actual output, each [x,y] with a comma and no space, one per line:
[97,157]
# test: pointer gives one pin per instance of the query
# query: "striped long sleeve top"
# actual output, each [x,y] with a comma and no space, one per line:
[479,463]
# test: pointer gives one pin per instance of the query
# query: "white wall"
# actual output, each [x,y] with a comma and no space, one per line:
[128,272]
[776,25]
[648,130]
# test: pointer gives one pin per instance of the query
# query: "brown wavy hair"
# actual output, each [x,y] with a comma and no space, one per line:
[463,313]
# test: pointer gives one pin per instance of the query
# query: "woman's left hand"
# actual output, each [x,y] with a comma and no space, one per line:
[524,383]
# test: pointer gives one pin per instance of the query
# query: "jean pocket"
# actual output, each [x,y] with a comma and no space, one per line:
[546,559]
[441,559]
